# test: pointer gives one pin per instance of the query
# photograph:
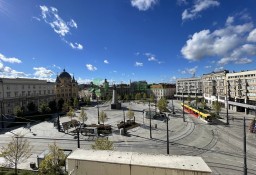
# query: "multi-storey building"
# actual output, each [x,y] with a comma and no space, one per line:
[214,86]
[186,87]
[242,91]
[162,90]
[21,91]
[66,86]
[138,87]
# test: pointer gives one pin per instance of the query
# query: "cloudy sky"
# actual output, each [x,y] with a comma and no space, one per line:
[123,40]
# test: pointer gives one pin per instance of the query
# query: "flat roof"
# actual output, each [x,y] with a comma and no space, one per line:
[141,159]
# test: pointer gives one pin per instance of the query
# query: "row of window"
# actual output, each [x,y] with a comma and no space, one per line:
[27,93]
[9,87]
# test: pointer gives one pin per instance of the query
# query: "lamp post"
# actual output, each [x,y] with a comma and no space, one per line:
[172,107]
[98,111]
[183,105]
[150,132]
[227,110]
[124,122]
[196,97]
[167,132]
[245,158]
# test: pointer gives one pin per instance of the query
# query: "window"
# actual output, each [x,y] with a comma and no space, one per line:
[8,94]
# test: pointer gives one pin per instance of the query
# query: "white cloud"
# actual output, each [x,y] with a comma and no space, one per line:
[218,69]
[225,61]
[252,36]
[207,67]
[72,23]
[91,67]
[9,60]
[84,81]
[191,71]
[228,42]
[8,72]
[76,46]
[229,20]
[137,64]
[106,62]
[199,5]
[61,27]
[143,5]
[36,18]
[55,66]
[42,72]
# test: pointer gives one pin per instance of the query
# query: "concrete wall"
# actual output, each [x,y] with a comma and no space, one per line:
[82,167]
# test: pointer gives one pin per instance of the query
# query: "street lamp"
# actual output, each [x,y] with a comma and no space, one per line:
[227,110]
[172,107]
[167,132]
[183,105]
[150,132]
[98,111]
[124,122]
[196,97]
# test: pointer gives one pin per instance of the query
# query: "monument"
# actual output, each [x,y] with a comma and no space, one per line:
[115,104]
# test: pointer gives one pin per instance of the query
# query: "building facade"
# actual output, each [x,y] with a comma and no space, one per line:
[21,91]
[215,86]
[66,87]
[162,90]
[186,87]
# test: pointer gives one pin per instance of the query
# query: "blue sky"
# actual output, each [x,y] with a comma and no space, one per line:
[123,40]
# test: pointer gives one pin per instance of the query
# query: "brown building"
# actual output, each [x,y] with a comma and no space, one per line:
[66,86]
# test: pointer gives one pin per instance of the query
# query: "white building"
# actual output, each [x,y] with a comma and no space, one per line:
[186,87]
[21,91]
[162,90]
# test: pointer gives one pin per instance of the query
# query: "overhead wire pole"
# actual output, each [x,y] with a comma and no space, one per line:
[183,106]
[167,132]
[227,111]
[98,111]
[150,132]
[245,161]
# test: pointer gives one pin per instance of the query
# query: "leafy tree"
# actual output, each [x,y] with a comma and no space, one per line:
[71,113]
[216,107]
[65,107]
[126,97]
[60,104]
[162,105]
[152,98]
[51,165]
[44,108]
[83,115]
[53,105]
[71,101]
[144,96]
[18,111]
[102,144]
[130,114]
[31,106]
[76,103]
[17,151]
[103,117]
[138,96]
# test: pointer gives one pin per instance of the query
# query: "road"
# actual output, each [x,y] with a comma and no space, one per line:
[219,145]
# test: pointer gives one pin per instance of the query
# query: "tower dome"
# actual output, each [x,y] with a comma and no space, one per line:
[65,74]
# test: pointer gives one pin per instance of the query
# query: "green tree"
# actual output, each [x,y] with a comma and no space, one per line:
[51,165]
[31,106]
[162,105]
[76,103]
[17,151]
[83,115]
[152,98]
[71,113]
[65,107]
[216,107]
[102,144]
[144,96]
[18,111]
[138,96]
[44,108]
[103,117]
[126,97]
[130,114]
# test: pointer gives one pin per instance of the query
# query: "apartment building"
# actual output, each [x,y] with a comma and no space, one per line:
[186,87]
[162,90]
[242,91]
[215,86]
[20,91]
